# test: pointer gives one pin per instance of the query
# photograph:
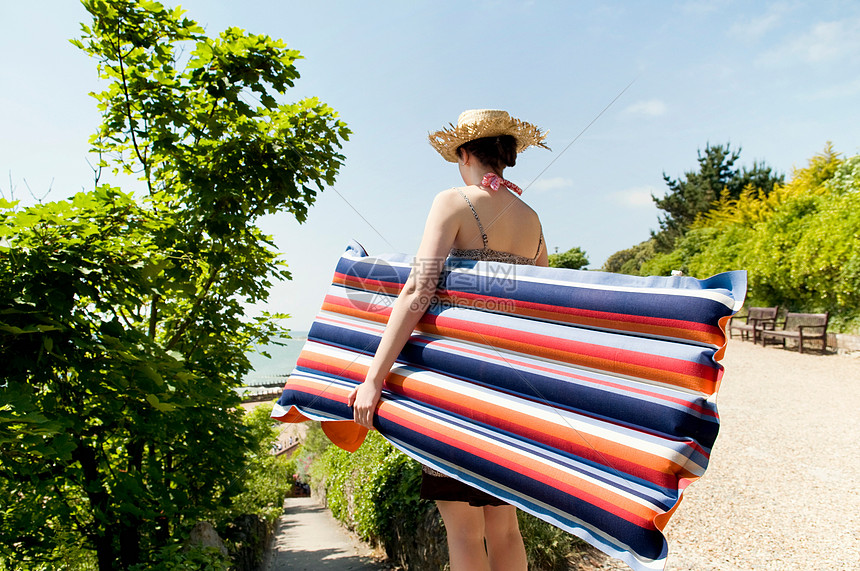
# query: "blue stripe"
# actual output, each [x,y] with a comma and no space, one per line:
[624,410]
[605,473]
[503,284]
[648,543]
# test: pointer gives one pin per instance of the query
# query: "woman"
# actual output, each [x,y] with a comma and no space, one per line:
[485,220]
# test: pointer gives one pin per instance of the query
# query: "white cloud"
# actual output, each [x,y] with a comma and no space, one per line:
[649,108]
[636,197]
[755,27]
[825,41]
[554,183]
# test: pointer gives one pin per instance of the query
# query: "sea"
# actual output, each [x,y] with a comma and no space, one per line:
[270,373]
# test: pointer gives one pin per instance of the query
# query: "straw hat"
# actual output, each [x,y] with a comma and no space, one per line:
[477,123]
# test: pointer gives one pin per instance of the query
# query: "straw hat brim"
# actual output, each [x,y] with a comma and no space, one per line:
[447,141]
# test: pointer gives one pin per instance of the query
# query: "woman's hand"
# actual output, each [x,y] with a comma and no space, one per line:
[363,400]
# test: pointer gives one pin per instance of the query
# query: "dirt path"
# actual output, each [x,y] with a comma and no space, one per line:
[308,538]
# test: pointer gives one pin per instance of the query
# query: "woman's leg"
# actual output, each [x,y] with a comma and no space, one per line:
[464,525]
[504,542]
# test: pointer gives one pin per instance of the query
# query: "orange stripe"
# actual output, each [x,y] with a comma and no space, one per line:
[592,318]
[437,342]
[426,325]
[548,474]
[688,381]
[630,323]
[604,451]
[563,480]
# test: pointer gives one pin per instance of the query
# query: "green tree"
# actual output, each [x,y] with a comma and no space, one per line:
[573,259]
[800,244]
[697,191]
[630,260]
[122,320]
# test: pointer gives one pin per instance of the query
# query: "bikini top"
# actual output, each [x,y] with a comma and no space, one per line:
[488,254]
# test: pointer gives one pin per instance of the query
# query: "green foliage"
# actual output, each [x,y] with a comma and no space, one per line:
[315,443]
[800,243]
[662,264]
[697,192]
[122,319]
[371,488]
[176,557]
[630,261]
[375,492]
[268,478]
[573,259]
[547,547]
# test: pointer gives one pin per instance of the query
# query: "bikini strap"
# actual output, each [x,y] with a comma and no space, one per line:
[478,220]
[540,243]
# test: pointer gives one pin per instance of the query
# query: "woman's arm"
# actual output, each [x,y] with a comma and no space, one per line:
[440,232]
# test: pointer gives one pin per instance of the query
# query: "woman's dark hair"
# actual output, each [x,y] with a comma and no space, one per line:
[496,152]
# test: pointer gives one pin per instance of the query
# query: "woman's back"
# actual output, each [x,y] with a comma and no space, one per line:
[495,225]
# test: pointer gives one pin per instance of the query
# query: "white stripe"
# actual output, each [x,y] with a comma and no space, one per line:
[671,347]
[492,269]
[562,372]
[501,441]
[583,426]
[484,269]
[647,384]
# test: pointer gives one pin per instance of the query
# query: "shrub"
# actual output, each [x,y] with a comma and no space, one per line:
[266,481]
[548,548]
[178,558]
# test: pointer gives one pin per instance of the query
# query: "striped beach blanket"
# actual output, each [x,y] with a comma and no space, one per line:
[584,398]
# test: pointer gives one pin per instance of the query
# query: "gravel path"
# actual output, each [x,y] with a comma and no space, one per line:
[782,489]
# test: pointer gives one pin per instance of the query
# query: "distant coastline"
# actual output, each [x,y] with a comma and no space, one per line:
[283,360]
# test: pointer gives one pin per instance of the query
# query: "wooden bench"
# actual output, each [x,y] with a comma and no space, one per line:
[755,319]
[800,326]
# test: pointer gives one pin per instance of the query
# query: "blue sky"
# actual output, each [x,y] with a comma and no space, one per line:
[778,79]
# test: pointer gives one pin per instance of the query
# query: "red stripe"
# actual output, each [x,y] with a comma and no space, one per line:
[621,361]
[437,342]
[588,451]
[668,370]
[522,467]
[418,391]
[662,322]
[559,372]
[682,329]
[356,372]
[317,389]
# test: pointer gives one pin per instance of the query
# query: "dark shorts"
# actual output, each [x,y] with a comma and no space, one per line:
[452,490]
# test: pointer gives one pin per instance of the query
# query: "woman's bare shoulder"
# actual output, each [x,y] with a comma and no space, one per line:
[528,210]
[452,192]
[449,198]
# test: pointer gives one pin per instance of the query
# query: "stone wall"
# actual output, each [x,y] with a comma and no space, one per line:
[843,343]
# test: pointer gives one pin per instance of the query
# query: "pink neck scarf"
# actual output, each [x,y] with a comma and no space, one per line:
[493,181]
